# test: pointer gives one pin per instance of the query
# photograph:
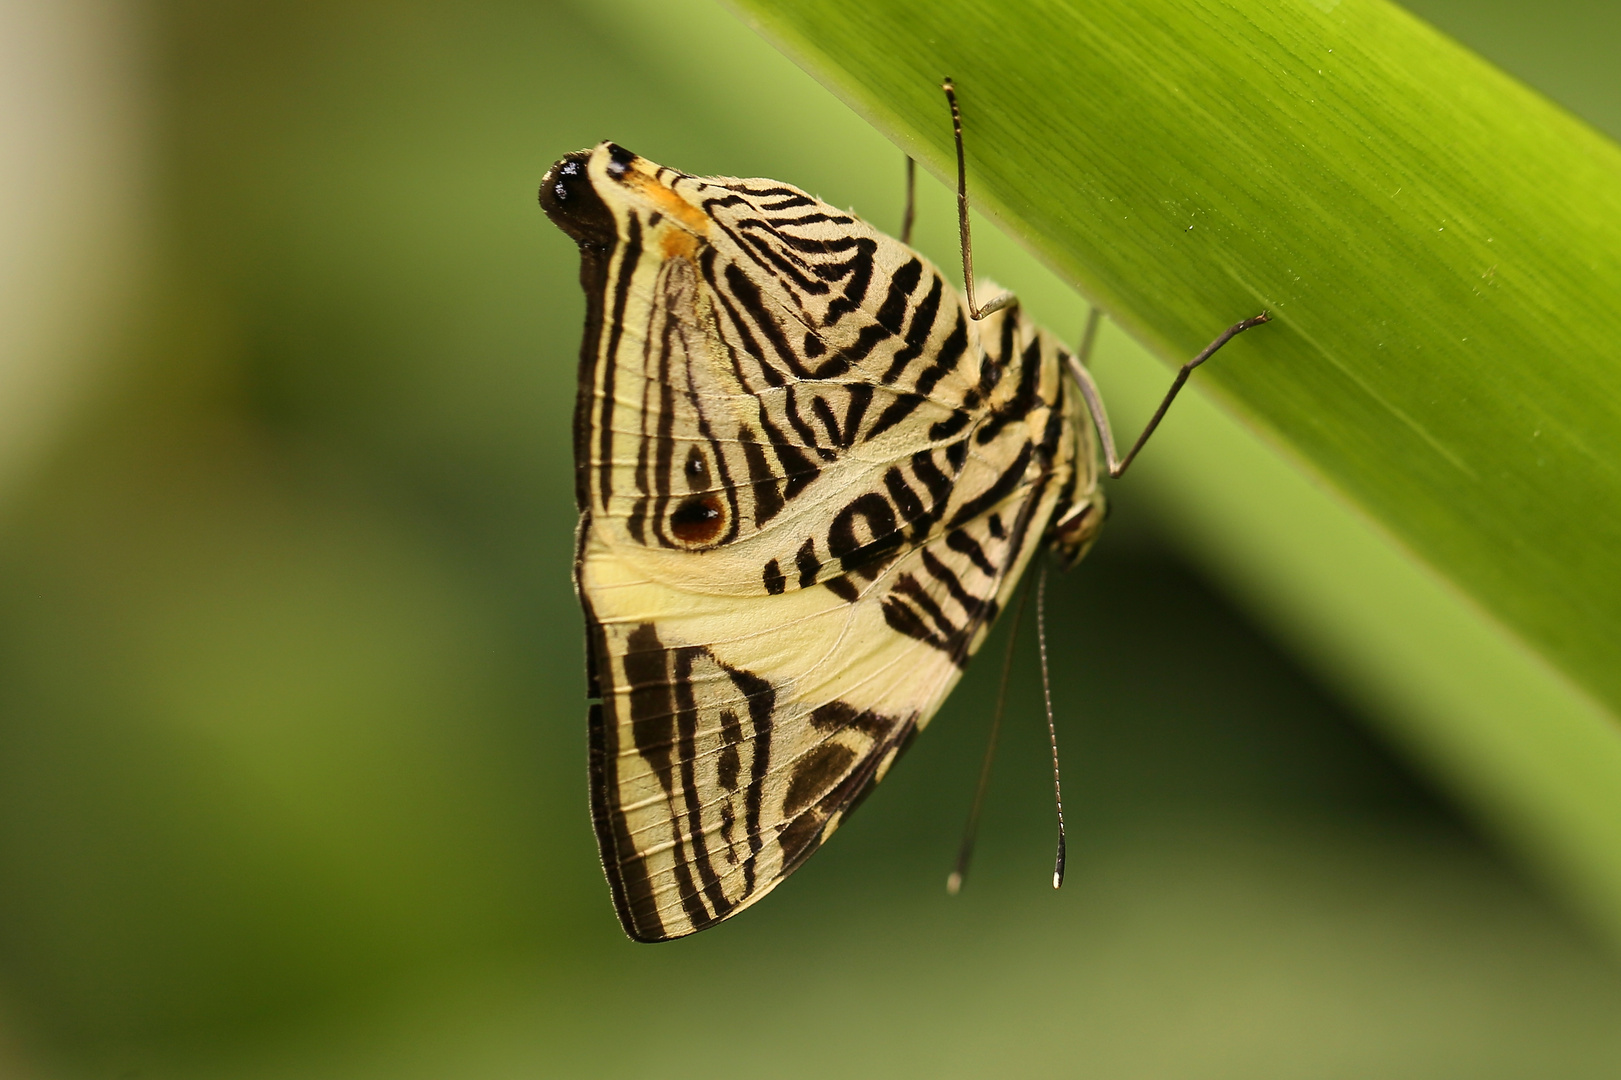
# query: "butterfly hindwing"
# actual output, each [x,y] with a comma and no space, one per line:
[808,484]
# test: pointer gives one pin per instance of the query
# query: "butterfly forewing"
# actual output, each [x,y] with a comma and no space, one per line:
[808,483]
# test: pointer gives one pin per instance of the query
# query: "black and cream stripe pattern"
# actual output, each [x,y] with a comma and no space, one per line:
[808,482]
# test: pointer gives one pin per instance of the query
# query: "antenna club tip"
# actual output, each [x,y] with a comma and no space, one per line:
[954,883]
[1058,879]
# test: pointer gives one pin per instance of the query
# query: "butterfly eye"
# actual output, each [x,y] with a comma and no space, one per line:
[1074,535]
[698,520]
[573,205]
[566,180]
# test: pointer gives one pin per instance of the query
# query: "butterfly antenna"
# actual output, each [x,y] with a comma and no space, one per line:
[1052,730]
[911,201]
[970,833]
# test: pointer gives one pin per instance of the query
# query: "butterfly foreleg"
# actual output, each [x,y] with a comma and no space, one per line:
[1094,400]
[910,214]
[1077,364]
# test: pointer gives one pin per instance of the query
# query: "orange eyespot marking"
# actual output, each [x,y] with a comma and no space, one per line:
[678,243]
[698,520]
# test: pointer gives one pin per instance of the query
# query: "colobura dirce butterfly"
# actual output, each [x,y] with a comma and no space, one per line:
[810,474]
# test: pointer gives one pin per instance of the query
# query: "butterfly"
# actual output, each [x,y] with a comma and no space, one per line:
[810,473]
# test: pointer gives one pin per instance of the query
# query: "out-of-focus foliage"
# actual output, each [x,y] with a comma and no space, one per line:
[73,113]
[291,717]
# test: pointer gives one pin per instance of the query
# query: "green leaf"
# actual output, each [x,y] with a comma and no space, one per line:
[1441,250]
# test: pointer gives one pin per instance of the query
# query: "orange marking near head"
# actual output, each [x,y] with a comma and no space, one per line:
[678,243]
[667,202]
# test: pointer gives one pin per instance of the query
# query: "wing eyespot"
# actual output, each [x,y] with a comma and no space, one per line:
[696,469]
[698,520]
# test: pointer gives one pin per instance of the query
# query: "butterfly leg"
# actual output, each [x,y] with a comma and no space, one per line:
[911,203]
[1094,400]
[1001,300]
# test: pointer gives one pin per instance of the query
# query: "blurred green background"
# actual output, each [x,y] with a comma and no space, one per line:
[291,702]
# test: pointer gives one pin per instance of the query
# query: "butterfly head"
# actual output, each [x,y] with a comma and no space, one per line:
[589,193]
[1073,534]
[570,199]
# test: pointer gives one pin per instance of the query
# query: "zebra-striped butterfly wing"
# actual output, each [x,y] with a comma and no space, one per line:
[808,481]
